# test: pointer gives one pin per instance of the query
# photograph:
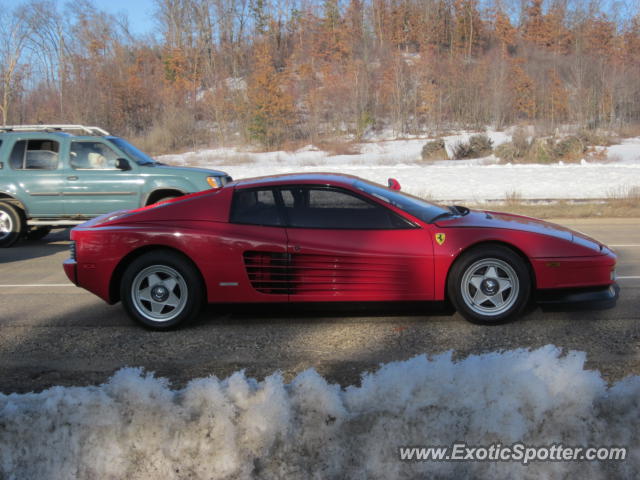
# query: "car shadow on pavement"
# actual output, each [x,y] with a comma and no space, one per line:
[283,312]
[62,347]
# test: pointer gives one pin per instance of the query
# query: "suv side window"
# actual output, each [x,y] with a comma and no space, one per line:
[255,207]
[332,208]
[35,155]
[91,156]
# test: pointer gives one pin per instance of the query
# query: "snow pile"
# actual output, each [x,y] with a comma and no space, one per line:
[136,427]
[475,180]
[627,152]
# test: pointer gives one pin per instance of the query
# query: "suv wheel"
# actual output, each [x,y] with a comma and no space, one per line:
[11,225]
[38,233]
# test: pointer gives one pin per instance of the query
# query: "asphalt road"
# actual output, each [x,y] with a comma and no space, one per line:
[53,333]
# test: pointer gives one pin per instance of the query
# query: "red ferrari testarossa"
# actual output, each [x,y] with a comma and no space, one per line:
[332,238]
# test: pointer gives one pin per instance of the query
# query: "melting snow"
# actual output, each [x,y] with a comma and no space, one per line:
[136,427]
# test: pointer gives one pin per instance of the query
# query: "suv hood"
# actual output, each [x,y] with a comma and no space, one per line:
[187,170]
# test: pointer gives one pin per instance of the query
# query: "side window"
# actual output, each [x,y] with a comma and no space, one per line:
[35,155]
[92,156]
[319,199]
[16,159]
[255,207]
[312,207]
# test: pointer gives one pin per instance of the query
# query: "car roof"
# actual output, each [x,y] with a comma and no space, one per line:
[43,134]
[319,178]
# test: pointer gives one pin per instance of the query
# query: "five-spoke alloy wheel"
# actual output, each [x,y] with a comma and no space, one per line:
[489,285]
[161,290]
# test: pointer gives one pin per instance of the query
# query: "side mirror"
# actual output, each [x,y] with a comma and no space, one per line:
[123,164]
[394,184]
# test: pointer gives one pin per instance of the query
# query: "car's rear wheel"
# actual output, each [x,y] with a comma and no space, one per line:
[162,290]
[489,285]
[11,225]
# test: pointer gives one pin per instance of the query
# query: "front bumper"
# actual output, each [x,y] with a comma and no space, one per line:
[592,298]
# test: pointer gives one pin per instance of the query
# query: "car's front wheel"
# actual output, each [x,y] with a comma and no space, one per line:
[489,285]
[11,225]
[162,290]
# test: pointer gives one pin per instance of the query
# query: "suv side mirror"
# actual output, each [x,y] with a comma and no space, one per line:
[123,164]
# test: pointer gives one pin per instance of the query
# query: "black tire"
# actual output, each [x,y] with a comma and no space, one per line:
[176,297]
[164,199]
[11,224]
[38,233]
[489,285]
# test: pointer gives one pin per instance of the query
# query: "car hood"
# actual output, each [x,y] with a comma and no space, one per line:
[489,219]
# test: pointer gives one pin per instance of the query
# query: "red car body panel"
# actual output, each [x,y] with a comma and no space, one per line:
[254,263]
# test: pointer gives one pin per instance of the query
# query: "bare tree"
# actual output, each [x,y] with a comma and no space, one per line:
[14,35]
[48,45]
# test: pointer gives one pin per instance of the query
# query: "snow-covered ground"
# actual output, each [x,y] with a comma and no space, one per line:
[467,180]
[136,427]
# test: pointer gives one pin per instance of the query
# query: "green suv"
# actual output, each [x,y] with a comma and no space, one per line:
[62,175]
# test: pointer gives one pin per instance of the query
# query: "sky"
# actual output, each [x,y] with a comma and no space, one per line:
[140,12]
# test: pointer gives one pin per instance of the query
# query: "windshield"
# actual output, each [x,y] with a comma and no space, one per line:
[132,152]
[415,206]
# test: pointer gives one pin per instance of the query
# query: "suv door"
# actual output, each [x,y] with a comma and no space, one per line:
[36,165]
[344,247]
[93,183]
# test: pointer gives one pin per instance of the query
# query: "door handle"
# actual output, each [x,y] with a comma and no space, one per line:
[72,178]
[296,248]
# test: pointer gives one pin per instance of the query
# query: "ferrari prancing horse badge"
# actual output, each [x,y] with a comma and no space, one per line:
[440,238]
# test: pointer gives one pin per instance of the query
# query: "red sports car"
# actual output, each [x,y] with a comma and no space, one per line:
[332,238]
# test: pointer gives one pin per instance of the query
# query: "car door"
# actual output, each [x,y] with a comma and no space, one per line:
[93,183]
[36,165]
[256,239]
[346,247]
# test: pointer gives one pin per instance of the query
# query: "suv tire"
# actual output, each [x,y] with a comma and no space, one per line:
[38,233]
[11,224]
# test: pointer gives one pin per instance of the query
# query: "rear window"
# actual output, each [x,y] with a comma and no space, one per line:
[35,155]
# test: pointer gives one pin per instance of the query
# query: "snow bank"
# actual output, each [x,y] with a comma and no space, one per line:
[474,180]
[476,183]
[136,427]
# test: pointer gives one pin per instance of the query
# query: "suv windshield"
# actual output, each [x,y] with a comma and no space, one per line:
[415,206]
[134,153]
